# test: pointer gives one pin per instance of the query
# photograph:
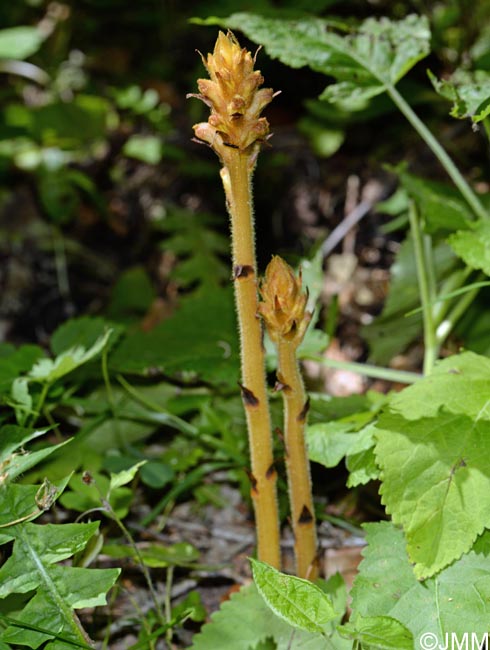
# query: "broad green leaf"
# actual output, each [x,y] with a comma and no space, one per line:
[245,620]
[84,331]
[360,460]
[328,443]
[198,342]
[132,296]
[456,600]
[433,450]
[436,475]
[459,384]
[58,589]
[378,633]
[15,362]
[364,61]
[299,602]
[20,42]
[473,245]
[469,93]
[49,370]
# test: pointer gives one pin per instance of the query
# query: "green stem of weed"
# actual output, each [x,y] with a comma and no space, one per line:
[425,289]
[440,153]
[446,326]
[40,404]
[134,546]
[168,601]
[367,370]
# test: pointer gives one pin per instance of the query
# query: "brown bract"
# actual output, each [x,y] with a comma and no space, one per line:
[232,92]
[283,305]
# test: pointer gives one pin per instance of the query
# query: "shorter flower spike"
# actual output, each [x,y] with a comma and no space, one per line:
[232,92]
[283,305]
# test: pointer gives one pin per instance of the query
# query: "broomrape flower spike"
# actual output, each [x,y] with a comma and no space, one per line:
[235,131]
[283,309]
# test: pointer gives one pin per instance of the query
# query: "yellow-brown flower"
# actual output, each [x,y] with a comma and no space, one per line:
[283,305]
[232,92]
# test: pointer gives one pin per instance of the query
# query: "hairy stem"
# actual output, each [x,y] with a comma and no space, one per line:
[297,463]
[236,176]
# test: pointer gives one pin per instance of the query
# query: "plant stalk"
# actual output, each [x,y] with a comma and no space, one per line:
[439,151]
[236,175]
[297,462]
[430,342]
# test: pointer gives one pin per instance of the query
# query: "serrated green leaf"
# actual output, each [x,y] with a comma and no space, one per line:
[58,589]
[378,633]
[364,61]
[297,601]
[245,620]
[386,586]
[473,245]
[433,449]
[436,475]
[329,442]
[360,460]
[469,93]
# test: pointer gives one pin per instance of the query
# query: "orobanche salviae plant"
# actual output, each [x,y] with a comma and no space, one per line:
[235,131]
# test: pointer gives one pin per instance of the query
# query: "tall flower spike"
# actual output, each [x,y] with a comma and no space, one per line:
[232,92]
[235,131]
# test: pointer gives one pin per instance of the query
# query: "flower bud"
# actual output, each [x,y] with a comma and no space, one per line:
[283,305]
[234,98]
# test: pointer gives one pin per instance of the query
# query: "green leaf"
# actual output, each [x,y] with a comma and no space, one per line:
[15,362]
[360,460]
[197,342]
[124,477]
[469,93]
[84,331]
[245,620]
[297,601]
[433,447]
[147,148]
[440,204]
[157,555]
[364,61]
[473,245]
[58,589]
[328,443]
[49,370]
[20,42]
[378,633]
[14,463]
[194,239]
[132,296]
[443,604]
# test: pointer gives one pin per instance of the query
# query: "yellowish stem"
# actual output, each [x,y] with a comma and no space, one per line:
[236,176]
[297,463]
